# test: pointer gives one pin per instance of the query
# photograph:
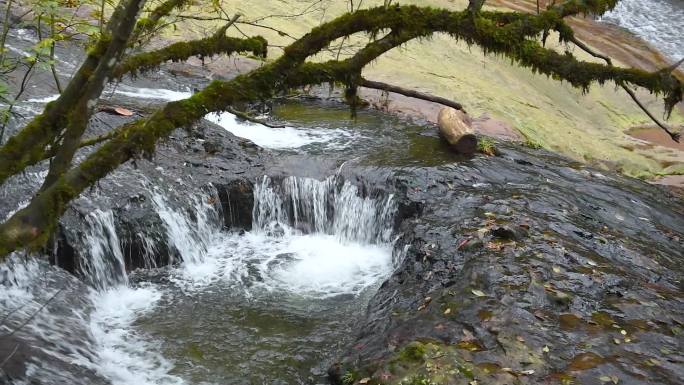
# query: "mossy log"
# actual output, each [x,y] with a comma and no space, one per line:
[455,128]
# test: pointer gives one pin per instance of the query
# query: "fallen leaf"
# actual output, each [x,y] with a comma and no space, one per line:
[520,339]
[478,293]
[556,269]
[122,111]
[447,311]
[605,379]
[623,332]
[527,372]
[545,349]
[617,341]
[364,380]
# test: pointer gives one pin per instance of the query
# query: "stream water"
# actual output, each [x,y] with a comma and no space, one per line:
[273,305]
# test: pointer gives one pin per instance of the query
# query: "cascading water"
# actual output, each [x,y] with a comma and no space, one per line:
[330,207]
[104,265]
[307,266]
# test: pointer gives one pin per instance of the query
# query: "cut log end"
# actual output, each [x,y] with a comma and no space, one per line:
[455,128]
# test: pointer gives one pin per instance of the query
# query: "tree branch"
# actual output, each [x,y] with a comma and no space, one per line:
[32,226]
[673,135]
[82,109]
[28,145]
[207,47]
[410,93]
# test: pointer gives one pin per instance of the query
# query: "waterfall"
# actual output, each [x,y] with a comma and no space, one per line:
[190,238]
[103,265]
[331,206]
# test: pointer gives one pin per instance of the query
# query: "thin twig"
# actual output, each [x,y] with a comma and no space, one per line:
[674,135]
[410,93]
[35,313]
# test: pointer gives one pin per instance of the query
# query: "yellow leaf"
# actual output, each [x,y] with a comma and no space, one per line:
[604,379]
[478,293]
[364,380]
[545,349]
[447,311]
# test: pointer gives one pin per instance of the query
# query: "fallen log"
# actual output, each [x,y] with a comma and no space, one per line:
[454,127]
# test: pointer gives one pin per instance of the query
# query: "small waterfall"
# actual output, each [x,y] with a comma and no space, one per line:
[190,237]
[103,265]
[331,206]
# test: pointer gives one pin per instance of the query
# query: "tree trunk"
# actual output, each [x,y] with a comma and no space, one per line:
[454,127]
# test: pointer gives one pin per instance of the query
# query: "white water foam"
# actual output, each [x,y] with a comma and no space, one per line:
[311,238]
[152,93]
[659,22]
[319,259]
[282,137]
[125,357]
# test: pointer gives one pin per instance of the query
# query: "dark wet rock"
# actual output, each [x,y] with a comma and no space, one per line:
[237,200]
[549,275]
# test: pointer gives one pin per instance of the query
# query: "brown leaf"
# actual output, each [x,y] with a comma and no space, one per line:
[122,111]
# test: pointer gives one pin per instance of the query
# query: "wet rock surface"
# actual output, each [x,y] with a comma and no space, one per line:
[527,269]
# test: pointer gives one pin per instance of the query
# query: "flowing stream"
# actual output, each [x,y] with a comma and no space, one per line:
[271,305]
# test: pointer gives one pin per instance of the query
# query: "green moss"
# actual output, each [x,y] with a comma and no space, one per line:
[487,146]
[181,51]
[413,352]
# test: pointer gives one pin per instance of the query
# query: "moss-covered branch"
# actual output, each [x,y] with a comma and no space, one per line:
[148,24]
[181,51]
[27,147]
[77,118]
[502,33]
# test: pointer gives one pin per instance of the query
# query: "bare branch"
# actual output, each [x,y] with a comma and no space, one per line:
[674,135]
[410,93]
